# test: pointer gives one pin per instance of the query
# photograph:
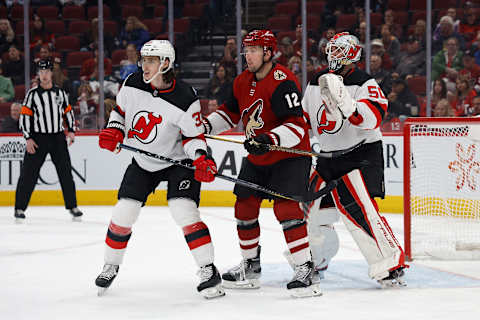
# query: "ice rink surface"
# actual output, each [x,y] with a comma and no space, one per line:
[48,266]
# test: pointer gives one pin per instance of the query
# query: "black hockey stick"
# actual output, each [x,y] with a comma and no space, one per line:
[309,197]
[321,154]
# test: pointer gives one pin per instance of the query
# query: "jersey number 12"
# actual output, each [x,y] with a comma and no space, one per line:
[292,100]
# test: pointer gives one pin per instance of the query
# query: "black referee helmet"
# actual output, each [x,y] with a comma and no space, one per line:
[44,65]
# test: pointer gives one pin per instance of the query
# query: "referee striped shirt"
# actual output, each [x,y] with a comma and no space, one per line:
[43,111]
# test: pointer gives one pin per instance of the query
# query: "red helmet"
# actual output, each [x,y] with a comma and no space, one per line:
[263,38]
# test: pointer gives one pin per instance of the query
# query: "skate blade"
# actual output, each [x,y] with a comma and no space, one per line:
[19,221]
[393,284]
[101,291]
[77,219]
[214,292]
[312,291]
[244,284]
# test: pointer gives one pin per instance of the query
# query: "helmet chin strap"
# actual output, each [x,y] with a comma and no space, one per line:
[159,72]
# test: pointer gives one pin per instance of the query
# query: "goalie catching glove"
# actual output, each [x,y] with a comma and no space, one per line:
[336,97]
[260,144]
[109,138]
[205,167]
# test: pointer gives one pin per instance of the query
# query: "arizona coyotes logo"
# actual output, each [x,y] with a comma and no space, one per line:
[254,121]
[144,126]
[324,125]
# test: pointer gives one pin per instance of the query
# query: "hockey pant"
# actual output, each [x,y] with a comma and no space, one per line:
[322,236]
[370,231]
[290,216]
[184,212]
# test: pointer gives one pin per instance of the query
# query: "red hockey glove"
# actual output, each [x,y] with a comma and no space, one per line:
[109,138]
[205,169]
[258,145]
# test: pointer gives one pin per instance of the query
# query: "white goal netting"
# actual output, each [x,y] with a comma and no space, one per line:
[444,190]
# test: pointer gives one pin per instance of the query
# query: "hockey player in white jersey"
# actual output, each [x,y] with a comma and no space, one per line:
[157,113]
[345,106]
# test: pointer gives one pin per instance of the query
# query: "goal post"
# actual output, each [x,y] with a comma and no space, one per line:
[442,188]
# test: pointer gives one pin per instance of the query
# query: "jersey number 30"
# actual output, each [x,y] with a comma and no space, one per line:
[292,100]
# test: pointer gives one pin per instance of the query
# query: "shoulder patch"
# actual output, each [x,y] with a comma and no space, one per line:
[279,75]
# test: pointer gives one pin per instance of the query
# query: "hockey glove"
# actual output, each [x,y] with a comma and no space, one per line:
[109,138]
[205,168]
[336,96]
[258,145]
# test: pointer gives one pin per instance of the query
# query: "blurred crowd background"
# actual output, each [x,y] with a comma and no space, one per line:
[205,37]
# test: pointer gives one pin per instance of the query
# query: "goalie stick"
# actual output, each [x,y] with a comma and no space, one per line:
[307,198]
[321,154]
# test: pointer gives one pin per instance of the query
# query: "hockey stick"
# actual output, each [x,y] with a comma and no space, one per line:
[322,154]
[309,197]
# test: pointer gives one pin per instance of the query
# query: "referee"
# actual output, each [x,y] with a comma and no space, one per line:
[41,121]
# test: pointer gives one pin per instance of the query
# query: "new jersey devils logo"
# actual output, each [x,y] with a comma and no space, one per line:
[254,120]
[144,126]
[324,125]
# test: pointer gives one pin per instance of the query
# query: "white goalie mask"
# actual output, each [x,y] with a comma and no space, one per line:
[162,49]
[342,49]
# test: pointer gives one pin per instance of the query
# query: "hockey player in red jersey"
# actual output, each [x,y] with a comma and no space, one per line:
[266,98]
[345,106]
[160,114]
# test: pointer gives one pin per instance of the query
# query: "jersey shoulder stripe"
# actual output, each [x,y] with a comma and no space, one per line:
[181,95]
[356,78]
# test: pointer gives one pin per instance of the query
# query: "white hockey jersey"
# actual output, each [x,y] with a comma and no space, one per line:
[362,125]
[164,122]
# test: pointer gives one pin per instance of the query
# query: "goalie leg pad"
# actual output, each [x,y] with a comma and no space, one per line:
[370,231]
[187,216]
[124,215]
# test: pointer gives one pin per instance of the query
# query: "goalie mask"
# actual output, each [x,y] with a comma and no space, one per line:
[343,49]
[162,49]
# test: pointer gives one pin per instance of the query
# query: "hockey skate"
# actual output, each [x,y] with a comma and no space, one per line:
[304,284]
[105,278]
[244,276]
[394,279]
[210,282]
[76,214]
[19,216]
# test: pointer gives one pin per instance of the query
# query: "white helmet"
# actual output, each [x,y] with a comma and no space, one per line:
[342,49]
[159,48]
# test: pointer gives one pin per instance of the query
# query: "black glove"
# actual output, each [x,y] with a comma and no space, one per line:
[258,145]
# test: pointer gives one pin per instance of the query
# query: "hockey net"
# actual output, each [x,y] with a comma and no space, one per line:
[442,188]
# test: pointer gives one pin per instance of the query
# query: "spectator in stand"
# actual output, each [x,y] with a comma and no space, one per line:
[463,102]
[110,104]
[312,69]
[443,109]
[447,62]
[89,71]
[439,92]
[89,39]
[382,76]
[219,85]
[134,32]
[360,33]
[14,67]
[60,79]
[419,32]
[129,65]
[229,59]
[39,35]
[297,43]
[322,55]
[6,88]
[470,24]
[389,20]
[86,107]
[10,123]
[390,43]
[411,62]
[446,31]
[295,65]
[285,51]
[476,106]
[7,36]
[402,101]
[471,71]
[378,49]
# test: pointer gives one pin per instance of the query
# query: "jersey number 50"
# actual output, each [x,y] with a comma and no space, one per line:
[375,92]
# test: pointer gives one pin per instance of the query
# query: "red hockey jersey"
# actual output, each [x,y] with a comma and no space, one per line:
[271,105]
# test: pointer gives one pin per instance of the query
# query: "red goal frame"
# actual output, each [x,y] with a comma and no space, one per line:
[406,168]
